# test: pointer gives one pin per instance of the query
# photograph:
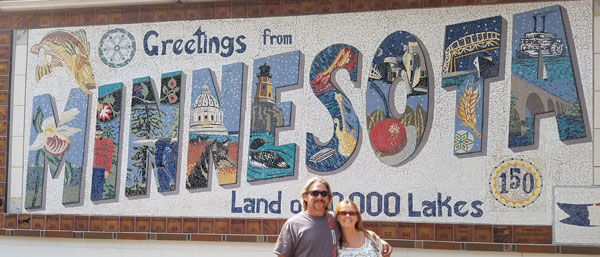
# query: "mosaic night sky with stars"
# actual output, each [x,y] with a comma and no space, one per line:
[456,31]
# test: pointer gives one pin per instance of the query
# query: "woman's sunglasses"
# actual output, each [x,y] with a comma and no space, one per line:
[346,213]
[315,193]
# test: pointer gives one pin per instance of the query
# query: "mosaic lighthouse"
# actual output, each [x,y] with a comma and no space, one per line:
[265,114]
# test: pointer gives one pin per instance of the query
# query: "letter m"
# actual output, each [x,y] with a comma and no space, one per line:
[58,140]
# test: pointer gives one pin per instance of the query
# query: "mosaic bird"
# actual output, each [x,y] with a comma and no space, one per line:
[68,49]
[266,159]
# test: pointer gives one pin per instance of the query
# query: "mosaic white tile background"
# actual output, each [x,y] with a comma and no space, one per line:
[434,170]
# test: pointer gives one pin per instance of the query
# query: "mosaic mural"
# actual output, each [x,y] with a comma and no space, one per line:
[121,117]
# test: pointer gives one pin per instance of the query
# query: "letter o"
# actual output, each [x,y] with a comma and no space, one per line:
[361,205]
[370,203]
[340,198]
[295,206]
[386,204]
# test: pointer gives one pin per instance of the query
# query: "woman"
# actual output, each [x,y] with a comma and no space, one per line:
[355,241]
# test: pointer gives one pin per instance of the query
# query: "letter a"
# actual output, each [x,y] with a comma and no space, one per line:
[543,78]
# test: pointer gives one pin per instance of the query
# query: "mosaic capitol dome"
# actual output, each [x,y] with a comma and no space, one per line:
[207,116]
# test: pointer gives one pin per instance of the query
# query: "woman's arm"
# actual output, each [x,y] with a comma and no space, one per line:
[385,249]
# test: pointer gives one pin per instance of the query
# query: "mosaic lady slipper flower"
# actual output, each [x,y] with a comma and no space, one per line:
[55,140]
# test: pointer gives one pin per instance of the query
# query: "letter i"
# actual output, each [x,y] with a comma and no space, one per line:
[107,140]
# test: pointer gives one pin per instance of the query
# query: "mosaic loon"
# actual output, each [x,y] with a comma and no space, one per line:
[265,159]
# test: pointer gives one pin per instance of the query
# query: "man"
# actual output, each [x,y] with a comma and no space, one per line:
[313,232]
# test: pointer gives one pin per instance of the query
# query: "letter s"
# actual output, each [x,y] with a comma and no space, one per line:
[336,151]
[239,41]
[479,211]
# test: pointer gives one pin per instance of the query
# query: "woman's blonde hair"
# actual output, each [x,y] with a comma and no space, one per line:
[343,203]
[309,184]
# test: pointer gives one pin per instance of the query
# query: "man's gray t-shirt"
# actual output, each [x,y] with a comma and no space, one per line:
[304,235]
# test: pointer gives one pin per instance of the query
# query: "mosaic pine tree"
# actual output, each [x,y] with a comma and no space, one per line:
[145,124]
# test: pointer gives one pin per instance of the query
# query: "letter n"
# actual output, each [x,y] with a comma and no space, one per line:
[154,134]
[57,141]
[544,78]
[215,125]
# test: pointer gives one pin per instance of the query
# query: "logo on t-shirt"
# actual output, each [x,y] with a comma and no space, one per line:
[332,230]
[333,237]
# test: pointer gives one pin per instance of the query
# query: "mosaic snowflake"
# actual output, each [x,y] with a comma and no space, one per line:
[463,141]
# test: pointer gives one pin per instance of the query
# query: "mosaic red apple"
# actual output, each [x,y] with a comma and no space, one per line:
[388,136]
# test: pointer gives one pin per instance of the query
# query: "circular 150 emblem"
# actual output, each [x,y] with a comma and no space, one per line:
[516,183]
[117,48]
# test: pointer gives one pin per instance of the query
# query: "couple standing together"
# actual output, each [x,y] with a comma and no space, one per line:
[315,232]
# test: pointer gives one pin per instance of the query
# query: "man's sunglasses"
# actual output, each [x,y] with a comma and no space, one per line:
[315,193]
[346,213]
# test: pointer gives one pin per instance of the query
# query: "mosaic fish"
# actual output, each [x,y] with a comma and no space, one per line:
[68,49]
